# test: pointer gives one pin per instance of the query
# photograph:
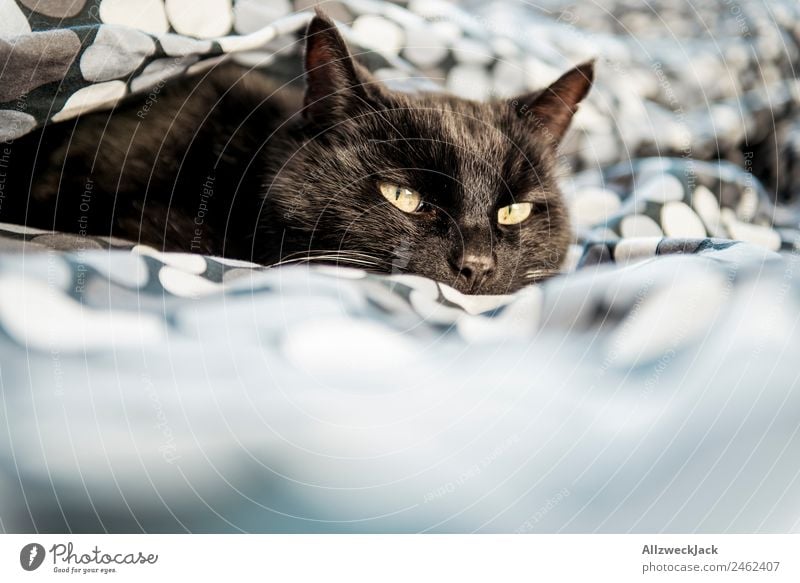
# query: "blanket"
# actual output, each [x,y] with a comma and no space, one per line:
[652,387]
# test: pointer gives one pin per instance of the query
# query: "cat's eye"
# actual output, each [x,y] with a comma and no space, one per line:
[404,198]
[514,213]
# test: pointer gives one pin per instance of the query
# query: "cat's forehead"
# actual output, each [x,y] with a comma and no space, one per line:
[476,151]
[485,138]
[446,134]
[467,124]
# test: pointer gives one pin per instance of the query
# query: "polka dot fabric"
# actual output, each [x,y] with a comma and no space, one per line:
[225,377]
[88,54]
[697,96]
[159,392]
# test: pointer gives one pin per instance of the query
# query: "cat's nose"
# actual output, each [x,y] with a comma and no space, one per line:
[473,269]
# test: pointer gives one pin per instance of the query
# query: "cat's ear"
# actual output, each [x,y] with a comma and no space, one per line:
[552,108]
[333,79]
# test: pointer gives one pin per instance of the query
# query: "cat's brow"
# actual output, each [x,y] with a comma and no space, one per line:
[379,114]
[532,195]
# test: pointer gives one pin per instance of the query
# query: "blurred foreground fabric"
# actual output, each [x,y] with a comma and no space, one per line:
[140,393]
[652,387]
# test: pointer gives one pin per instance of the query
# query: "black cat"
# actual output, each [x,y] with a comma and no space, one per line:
[228,163]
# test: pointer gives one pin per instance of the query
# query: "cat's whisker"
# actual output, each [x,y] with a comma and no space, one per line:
[337,261]
[339,252]
[535,274]
[346,258]
[337,258]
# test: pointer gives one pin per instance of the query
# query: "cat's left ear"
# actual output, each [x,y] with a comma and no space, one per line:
[334,80]
[552,108]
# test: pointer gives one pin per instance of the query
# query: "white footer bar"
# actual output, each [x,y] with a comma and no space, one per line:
[400,558]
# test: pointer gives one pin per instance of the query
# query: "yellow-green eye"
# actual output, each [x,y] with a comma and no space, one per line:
[404,198]
[514,213]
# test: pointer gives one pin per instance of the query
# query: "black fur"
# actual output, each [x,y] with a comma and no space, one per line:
[227,163]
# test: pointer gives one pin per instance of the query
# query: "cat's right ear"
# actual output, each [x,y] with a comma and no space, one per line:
[552,108]
[334,81]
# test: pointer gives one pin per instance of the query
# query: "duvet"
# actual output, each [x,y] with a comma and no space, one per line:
[651,387]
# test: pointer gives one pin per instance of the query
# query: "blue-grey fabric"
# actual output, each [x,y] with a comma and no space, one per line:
[653,386]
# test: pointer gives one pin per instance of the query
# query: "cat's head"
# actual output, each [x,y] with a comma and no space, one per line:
[429,184]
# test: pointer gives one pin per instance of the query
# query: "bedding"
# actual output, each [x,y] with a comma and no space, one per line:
[651,387]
